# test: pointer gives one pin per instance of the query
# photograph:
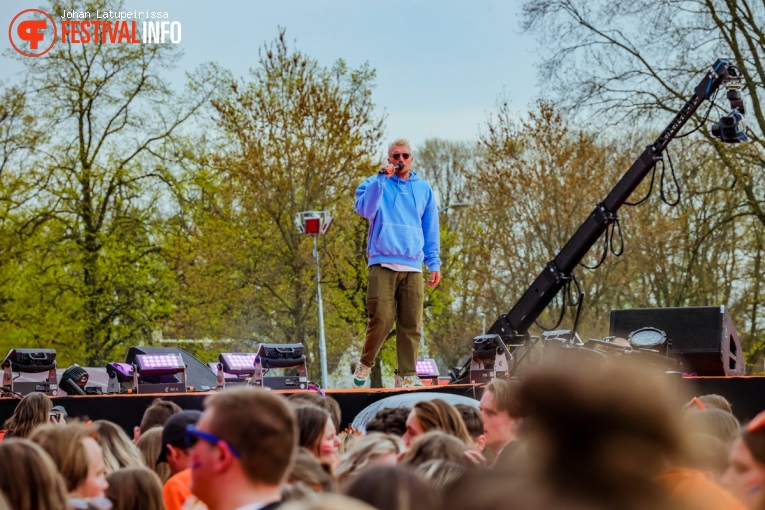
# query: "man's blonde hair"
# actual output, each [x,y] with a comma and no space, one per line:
[399,142]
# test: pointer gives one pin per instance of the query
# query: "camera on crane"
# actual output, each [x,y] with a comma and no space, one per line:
[730,128]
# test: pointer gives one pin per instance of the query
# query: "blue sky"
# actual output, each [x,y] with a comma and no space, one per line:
[441,64]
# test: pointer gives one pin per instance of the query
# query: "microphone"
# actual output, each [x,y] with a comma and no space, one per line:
[398,168]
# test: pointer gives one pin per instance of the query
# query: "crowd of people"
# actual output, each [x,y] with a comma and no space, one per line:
[560,438]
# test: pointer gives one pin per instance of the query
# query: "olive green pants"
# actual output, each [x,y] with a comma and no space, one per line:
[394,297]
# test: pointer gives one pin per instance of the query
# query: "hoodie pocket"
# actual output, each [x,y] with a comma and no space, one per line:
[401,241]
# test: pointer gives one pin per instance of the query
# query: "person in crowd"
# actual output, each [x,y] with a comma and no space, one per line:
[434,445]
[595,439]
[242,449]
[474,424]
[374,448]
[34,410]
[441,472]
[394,488]
[710,401]
[706,453]
[175,452]
[134,488]
[29,478]
[348,439]
[321,400]
[150,445]
[78,457]
[403,234]
[119,450]
[499,413]
[389,420]
[155,416]
[714,422]
[317,433]
[328,502]
[307,477]
[436,414]
[745,475]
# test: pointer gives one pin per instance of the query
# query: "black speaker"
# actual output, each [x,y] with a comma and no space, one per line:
[198,374]
[702,337]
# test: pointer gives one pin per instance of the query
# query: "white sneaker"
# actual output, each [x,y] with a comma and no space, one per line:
[361,375]
[409,381]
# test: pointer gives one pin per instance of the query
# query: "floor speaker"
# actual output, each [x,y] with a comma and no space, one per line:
[198,374]
[702,337]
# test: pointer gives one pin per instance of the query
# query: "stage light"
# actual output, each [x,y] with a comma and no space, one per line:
[120,377]
[285,356]
[312,225]
[159,373]
[648,338]
[234,368]
[73,380]
[123,372]
[30,361]
[159,364]
[490,359]
[427,368]
[427,371]
[280,355]
[238,363]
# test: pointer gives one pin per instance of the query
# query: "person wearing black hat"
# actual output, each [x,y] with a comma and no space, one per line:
[174,450]
[177,489]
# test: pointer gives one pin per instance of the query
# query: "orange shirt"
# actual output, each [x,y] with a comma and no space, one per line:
[176,493]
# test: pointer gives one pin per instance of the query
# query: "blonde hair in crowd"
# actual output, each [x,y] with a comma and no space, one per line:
[29,478]
[150,444]
[119,450]
[65,446]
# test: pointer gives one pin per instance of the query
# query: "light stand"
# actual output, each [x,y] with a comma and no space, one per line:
[314,223]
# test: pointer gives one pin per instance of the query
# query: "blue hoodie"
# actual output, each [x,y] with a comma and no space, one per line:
[403,221]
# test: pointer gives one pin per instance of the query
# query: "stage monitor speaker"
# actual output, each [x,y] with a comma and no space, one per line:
[198,374]
[702,337]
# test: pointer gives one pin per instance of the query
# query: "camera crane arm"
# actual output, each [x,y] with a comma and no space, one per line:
[515,324]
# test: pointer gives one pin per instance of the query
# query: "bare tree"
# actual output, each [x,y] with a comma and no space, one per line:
[619,62]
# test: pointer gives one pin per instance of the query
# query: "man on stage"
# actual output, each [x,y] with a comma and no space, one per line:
[403,233]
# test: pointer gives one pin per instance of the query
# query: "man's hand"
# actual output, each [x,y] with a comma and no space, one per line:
[387,170]
[435,278]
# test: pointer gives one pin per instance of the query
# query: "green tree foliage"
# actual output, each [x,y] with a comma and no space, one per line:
[92,277]
[295,137]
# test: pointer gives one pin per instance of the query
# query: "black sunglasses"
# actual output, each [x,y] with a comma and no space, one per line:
[403,156]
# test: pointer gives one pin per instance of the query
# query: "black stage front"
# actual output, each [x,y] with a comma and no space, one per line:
[747,394]
[127,410]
